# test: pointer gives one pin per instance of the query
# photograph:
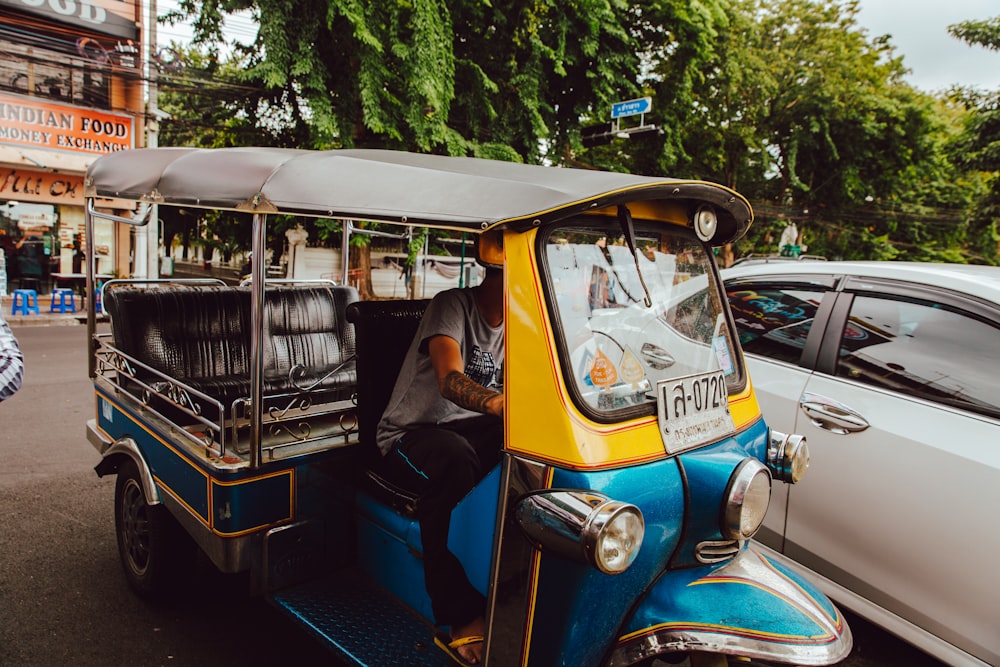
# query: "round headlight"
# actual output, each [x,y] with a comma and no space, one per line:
[613,535]
[747,499]
[787,456]
[705,223]
[586,526]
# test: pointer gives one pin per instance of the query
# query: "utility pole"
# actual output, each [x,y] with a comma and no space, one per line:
[147,239]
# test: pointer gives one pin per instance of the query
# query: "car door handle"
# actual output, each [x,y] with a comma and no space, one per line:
[831,415]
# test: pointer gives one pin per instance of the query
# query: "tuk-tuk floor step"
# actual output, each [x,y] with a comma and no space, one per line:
[362,623]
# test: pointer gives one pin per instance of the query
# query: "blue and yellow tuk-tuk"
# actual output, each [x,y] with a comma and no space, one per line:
[617,529]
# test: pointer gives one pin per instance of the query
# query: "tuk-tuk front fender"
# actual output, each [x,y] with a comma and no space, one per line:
[750,607]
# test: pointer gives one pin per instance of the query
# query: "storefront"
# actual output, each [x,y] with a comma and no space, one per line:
[70,91]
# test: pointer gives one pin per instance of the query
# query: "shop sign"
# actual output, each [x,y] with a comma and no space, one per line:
[111,17]
[25,185]
[25,121]
[30,220]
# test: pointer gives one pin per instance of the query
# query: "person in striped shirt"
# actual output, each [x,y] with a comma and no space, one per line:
[11,362]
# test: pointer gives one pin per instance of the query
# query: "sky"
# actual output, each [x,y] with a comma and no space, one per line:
[919,30]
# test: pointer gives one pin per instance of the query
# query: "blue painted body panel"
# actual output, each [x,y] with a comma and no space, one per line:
[228,502]
[748,605]
[389,547]
[389,552]
[567,618]
[567,591]
[473,524]
[703,597]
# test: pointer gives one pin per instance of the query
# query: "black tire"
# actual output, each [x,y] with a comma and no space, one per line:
[155,552]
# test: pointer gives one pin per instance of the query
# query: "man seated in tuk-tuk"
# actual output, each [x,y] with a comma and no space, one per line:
[442,432]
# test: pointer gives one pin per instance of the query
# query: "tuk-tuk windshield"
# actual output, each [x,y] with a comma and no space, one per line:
[615,348]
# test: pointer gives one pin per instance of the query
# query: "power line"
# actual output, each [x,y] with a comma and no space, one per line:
[175,80]
[241,26]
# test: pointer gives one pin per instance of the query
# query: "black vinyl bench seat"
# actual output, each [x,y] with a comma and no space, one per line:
[200,336]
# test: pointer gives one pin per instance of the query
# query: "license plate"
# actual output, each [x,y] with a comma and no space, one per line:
[693,410]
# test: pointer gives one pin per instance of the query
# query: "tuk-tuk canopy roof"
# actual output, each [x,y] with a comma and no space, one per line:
[467,194]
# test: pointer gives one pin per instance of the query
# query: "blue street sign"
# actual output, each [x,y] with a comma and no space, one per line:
[631,107]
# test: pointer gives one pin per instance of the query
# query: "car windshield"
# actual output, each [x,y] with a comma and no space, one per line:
[615,347]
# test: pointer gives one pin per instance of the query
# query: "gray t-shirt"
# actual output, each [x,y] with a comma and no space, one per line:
[416,399]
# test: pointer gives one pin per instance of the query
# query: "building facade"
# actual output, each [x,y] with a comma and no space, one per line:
[71,89]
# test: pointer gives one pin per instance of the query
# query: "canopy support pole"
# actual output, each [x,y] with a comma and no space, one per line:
[257,287]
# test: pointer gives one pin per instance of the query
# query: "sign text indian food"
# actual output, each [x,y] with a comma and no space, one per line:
[45,125]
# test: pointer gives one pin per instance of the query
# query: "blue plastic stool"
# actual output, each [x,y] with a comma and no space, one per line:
[25,302]
[97,298]
[62,301]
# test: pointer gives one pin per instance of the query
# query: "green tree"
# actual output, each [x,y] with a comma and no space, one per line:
[501,80]
[790,101]
[509,80]
[809,116]
[978,149]
[209,105]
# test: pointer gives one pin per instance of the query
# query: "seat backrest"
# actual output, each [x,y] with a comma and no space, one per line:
[384,330]
[184,332]
[307,326]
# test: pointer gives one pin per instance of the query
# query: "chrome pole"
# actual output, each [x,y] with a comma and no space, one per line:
[257,276]
[88,218]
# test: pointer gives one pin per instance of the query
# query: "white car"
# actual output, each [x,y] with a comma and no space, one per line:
[892,372]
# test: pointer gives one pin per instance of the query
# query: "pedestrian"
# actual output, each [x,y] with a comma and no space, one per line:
[11,361]
[440,434]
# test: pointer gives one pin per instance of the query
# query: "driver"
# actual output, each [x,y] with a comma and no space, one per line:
[441,432]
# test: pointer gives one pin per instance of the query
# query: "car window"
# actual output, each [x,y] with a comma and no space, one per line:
[774,321]
[923,349]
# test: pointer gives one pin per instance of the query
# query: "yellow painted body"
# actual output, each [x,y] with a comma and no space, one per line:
[542,423]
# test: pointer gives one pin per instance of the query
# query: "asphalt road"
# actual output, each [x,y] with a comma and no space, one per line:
[63,598]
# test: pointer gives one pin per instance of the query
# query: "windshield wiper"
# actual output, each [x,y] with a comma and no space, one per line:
[628,231]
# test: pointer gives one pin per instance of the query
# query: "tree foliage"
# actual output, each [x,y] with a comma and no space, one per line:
[978,149]
[980,33]
[789,101]
[809,116]
[460,78]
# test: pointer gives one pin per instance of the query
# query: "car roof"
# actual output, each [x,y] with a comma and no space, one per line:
[463,193]
[975,279]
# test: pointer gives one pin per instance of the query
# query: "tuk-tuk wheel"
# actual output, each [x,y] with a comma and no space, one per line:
[155,551]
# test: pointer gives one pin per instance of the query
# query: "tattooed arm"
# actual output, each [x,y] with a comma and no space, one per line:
[455,385]
[461,390]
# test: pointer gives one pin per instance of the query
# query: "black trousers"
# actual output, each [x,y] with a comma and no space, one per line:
[441,464]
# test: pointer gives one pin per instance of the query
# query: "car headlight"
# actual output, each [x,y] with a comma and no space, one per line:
[747,498]
[787,456]
[585,526]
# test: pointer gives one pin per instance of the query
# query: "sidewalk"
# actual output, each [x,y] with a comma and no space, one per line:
[45,318]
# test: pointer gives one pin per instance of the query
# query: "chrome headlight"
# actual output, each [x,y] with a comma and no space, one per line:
[787,456]
[584,526]
[747,497]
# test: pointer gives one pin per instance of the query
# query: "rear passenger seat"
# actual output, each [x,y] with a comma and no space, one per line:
[309,327]
[200,335]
